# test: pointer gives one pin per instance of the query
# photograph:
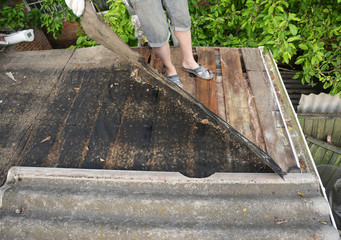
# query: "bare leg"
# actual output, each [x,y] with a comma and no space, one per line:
[185,42]
[164,54]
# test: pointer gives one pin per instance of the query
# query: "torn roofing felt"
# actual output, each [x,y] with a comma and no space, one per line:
[212,145]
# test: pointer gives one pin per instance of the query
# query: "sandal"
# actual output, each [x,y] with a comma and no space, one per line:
[175,79]
[201,70]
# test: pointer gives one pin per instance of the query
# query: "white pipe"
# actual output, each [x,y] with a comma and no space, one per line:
[17,37]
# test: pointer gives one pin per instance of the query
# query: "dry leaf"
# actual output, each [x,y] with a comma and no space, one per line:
[302,165]
[301,194]
[76,89]
[204,121]
[314,237]
[101,159]
[87,148]
[46,139]
[279,222]
[111,85]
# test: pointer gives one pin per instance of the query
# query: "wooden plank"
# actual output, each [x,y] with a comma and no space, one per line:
[314,128]
[308,126]
[275,136]
[187,81]
[319,154]
[301,120]
[156,63]
[338,161]
[327,157]
[207,89]
[336,135]
[221,98]
[329,126]
[314,148]
[321,129]
[238,101]
[145,53]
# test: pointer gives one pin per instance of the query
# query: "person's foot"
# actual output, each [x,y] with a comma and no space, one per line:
[187,66]
[175,79]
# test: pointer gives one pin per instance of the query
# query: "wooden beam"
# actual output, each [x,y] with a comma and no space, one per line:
[207,89]
[275,136]
[239,106]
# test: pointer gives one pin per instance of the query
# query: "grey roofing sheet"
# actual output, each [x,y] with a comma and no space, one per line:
[319,103]
[52,203]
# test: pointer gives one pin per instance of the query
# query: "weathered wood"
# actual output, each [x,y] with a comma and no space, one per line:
[308,126]
[187,81]
[207,89]
[101,33]
[314,128]
[221,98]
[145,52]
[319,154]
[156,63]
[320,129]
[301,121]
[336,135]
[275,136]
[329,126]
[238,101]
[327,157]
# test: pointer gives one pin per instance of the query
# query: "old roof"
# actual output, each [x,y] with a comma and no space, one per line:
[100,204]
[76,109]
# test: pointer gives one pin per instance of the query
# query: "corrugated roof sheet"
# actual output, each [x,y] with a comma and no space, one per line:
[319,103]
[107,204]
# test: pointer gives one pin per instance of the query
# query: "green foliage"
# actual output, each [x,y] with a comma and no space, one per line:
[305,34]
[83,41]
[57,14]
[17,17]
[118,18]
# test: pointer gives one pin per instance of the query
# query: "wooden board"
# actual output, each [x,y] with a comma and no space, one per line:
[207,90]
[238,102]
[187,81]
[275,136]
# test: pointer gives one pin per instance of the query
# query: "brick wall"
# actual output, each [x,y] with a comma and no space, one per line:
[67,38]
[40,42]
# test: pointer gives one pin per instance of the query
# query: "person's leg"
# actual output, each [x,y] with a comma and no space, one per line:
[155,27]
[164,54]
[178,13]
[185,41]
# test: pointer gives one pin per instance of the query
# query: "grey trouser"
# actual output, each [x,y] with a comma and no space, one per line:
[154,22]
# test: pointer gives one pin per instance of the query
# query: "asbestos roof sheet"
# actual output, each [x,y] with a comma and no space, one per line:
[90,204]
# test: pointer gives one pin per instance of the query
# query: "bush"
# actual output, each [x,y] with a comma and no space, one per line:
[306,31]
[118,19]
[305,34]
[17,17]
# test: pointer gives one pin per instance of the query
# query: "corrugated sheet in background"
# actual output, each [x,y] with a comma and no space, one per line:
[319,103]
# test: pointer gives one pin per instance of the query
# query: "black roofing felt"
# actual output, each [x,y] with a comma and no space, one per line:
[69,110]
